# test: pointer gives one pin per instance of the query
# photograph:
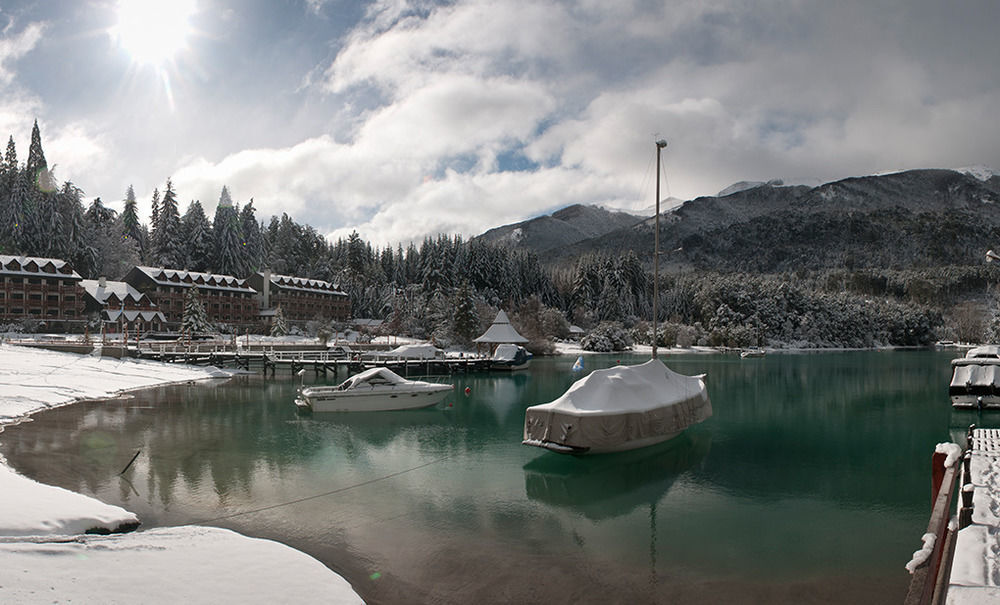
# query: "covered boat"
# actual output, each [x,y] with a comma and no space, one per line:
[618,409]
[510,357]
[376,389]
[975,379]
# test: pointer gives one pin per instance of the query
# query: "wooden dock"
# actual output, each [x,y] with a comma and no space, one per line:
[320,362]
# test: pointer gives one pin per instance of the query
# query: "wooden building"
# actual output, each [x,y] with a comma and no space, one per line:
[121,307]
[43,289]
[300,299]
[226,299]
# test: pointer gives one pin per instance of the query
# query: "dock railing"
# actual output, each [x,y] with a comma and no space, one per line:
[929,583]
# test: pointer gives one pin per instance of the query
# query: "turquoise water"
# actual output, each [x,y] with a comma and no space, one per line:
[812,480]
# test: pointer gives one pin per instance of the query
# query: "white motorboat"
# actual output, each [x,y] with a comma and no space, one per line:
[618,409]
[376,389]
[752,352]
[975,379]
[510,357]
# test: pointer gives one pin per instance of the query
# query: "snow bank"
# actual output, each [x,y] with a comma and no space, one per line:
[168,565]
[45,557]
[29,508]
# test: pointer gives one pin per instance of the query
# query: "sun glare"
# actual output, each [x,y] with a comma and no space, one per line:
[153,31]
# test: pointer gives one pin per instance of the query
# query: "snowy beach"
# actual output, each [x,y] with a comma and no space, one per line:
[47,555]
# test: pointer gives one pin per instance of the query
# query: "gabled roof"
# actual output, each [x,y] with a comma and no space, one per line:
[121,290]
[36,266]
[288,282]
[204,281]
[501,332]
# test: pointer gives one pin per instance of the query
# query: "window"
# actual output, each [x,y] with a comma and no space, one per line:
[69,298]
[34,280]
[17,311]
[35,296]
[70,312]
[17,295]
[52,298]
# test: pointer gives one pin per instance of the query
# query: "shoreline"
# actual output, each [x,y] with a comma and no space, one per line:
[47,534]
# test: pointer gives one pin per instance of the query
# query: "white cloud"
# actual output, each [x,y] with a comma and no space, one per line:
[13,47]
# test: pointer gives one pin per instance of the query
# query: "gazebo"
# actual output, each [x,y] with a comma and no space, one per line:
[500,332]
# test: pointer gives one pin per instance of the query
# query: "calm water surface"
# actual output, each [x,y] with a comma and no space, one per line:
[809,485]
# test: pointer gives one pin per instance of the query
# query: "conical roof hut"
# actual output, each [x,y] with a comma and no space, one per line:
[500,332]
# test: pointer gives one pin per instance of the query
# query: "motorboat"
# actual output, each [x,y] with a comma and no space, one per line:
[618,409]
[975,378]
[752,352]
[375,389]
[510,357]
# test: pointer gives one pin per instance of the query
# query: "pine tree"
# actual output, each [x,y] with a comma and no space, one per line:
[279,327]
[228,239]
[131,228]
[195,319]
[254,245]
[37,167]
[196,233]
[167,247]
[154,222]
[465,320]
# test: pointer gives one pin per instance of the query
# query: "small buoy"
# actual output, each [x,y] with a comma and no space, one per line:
[450,404]
[468,390]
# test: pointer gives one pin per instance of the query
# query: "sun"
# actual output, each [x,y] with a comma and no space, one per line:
[153,31]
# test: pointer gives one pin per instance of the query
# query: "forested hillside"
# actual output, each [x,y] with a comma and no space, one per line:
[887,260]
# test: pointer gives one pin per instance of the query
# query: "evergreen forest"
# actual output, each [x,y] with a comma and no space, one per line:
[448,289]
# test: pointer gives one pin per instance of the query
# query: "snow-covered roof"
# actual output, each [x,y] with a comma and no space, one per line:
[501,331]
[626,389]
[116,314]
[186,279]
[35,266]
[120,289]
[302,284]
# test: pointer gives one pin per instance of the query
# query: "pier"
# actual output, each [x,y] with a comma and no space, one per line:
[320,362]
[959,563]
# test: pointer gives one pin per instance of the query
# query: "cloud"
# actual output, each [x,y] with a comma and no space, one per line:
[463,116]
[15,46]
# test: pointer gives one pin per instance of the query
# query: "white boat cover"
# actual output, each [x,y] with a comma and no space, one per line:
[620,404]
[373,375]
[414,351]
[971,376]
[506,352]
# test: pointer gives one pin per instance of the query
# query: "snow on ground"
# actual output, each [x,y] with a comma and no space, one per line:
[47,559]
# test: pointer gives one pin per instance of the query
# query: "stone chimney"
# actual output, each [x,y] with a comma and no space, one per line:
[102,281]
[266,288]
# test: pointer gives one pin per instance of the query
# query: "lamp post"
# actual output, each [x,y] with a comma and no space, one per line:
[656,247]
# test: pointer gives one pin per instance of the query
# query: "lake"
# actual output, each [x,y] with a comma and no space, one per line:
[810,484]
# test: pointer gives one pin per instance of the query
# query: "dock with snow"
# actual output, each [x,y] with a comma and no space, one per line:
[959,563]
[320,362]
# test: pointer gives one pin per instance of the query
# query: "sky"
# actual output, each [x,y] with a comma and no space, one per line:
[406,118]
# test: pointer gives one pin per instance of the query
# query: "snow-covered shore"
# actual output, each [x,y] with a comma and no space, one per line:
[48,558]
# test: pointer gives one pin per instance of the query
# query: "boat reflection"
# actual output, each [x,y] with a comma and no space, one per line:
[602,487]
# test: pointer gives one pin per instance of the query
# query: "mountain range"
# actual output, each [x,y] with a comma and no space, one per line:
[909,219]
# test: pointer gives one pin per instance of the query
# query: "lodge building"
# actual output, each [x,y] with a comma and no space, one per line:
[121,307]
[226,299]
[300,299]
[45,289]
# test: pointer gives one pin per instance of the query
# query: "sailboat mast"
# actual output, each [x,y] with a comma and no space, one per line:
[656,247]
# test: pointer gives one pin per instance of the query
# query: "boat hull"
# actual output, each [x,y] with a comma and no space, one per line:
[624,446]
[371,402]
[975,383]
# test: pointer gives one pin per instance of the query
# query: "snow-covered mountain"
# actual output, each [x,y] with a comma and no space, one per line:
[914,218]
[562,228]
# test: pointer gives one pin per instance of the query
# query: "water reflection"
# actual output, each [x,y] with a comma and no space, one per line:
[613,485]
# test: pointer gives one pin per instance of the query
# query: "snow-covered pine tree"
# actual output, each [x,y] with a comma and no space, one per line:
[465,320]
[254,246]
[167,245]
[195,319]
[36,165]
[228,239]
[131,227]
[196,233]
[279,326]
